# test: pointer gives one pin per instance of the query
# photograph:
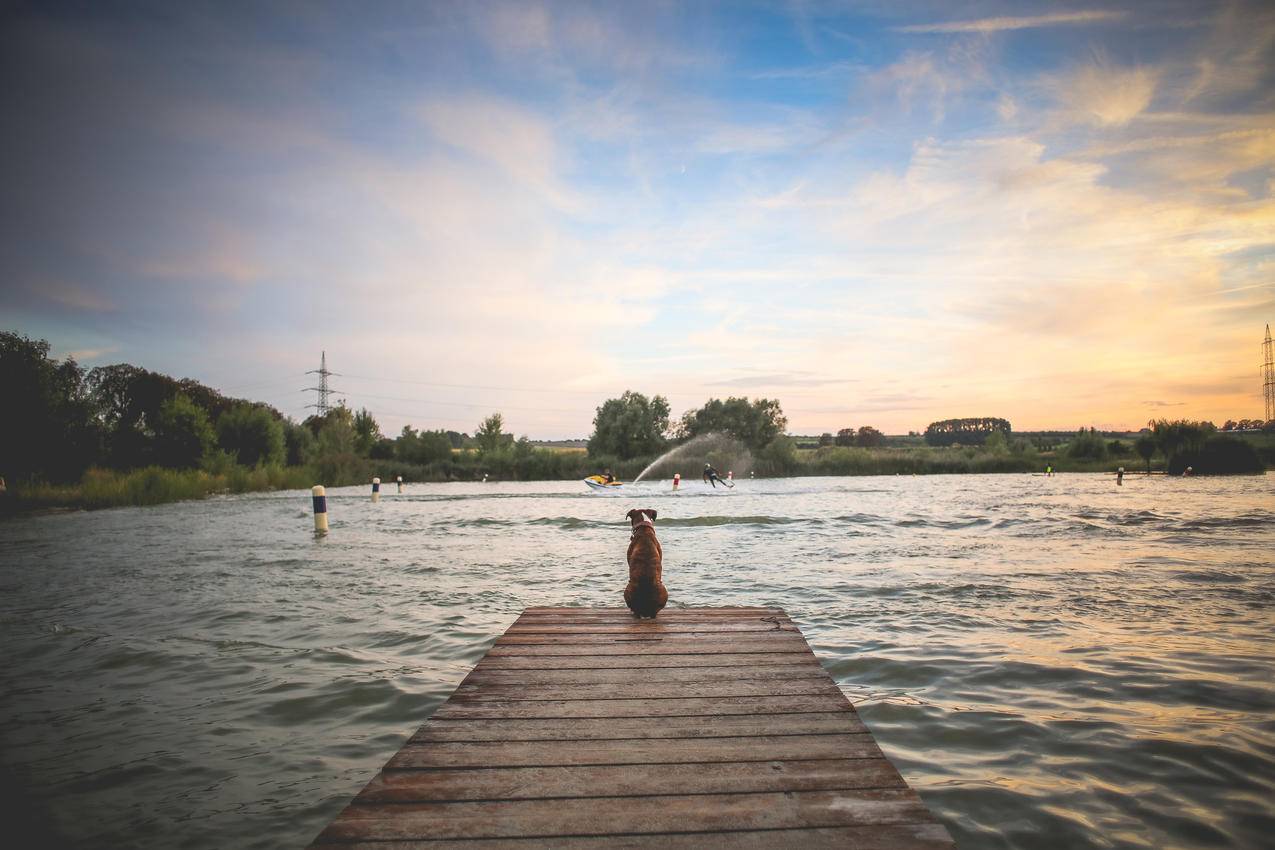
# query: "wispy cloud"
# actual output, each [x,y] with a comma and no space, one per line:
[1002,24]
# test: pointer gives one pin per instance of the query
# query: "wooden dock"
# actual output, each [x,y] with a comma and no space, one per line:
[582,727]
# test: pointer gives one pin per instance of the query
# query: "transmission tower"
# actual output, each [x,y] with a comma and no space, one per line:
[1268,376]
[322,407]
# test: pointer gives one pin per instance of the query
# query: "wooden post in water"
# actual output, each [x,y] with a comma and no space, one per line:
[583,727]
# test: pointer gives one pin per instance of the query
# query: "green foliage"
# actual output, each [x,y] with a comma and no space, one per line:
[1218,455]
[1145,447]
[1086,445]
[1179,437]
[778,457]
[845,437]
[825,439]
[48,427]
[252,434]
[630,426]
[755,424]
[366,431]
[422,448]
[490,434]
[966,432]
[183,433]
[996,443]
[298,443]
[868,437]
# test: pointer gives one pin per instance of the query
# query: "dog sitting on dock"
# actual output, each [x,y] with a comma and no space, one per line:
[645,593]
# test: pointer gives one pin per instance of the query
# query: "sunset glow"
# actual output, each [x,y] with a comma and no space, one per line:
[882,214]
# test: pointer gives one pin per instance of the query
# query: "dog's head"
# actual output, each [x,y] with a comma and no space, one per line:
[643,516]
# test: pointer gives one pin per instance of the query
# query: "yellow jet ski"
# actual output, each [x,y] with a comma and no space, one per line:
[597,482]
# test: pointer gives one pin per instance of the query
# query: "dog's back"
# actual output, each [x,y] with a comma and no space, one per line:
[645,593]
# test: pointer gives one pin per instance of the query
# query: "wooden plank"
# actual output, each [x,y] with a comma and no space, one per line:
[653,626]
[626,751]
[645,707]
[776,644]
[723,639]
[908,836]
[587,728]
[531,783]
[482,690]
[525,661]
[637,815]
[584,729]
[486,674]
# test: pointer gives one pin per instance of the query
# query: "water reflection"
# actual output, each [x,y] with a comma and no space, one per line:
[1051,662]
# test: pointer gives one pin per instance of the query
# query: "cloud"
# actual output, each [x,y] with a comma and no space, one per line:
[1003,24]
[1107,96]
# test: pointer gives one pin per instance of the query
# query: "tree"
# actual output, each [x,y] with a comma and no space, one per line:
[490,433]
[754,424]
[996,443]
[1179,437]
[1086,445]
[48,426]
[366,431]
[869,437]
[973,431]
[1145,447]
[298,442]
[845,437]
[183,434]
[252,434]
[630,426]
[825,439]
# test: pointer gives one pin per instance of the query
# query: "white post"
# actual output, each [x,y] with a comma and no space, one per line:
[320,499]
[376,489]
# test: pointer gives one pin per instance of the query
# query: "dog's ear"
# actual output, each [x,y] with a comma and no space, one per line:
[630,514]
[651,511]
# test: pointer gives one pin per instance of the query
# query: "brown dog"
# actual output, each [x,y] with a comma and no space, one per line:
[645,593]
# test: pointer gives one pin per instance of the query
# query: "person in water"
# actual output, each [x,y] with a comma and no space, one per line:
[711,476]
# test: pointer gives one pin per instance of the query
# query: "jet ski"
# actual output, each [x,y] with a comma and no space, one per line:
[597,482]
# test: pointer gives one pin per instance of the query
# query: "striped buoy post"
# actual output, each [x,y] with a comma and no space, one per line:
[376,489]
[400,485]
[677,480]
[320,498]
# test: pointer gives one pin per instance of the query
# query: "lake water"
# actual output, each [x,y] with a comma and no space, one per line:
[1050,662]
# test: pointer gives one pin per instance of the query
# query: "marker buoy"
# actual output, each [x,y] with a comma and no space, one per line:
[400,485]
[677,480]
[320,499]
[376,489]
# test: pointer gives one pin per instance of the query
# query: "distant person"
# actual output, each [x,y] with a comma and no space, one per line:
[607,477]
[711,476]
[1186,472]
[1120,477]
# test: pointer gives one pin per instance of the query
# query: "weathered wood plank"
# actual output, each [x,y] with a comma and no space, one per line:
[482,690]
[770,644]
[532,783]
[646,707]
[625,751]
[908,836]
[486,675]
[524,661]
[654,627]
[587,728]
[721,640]
[635,816]
[584,729]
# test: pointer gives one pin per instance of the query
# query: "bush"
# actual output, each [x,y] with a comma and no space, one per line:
[1220,455]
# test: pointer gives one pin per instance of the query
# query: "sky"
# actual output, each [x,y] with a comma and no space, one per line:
[879,213]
